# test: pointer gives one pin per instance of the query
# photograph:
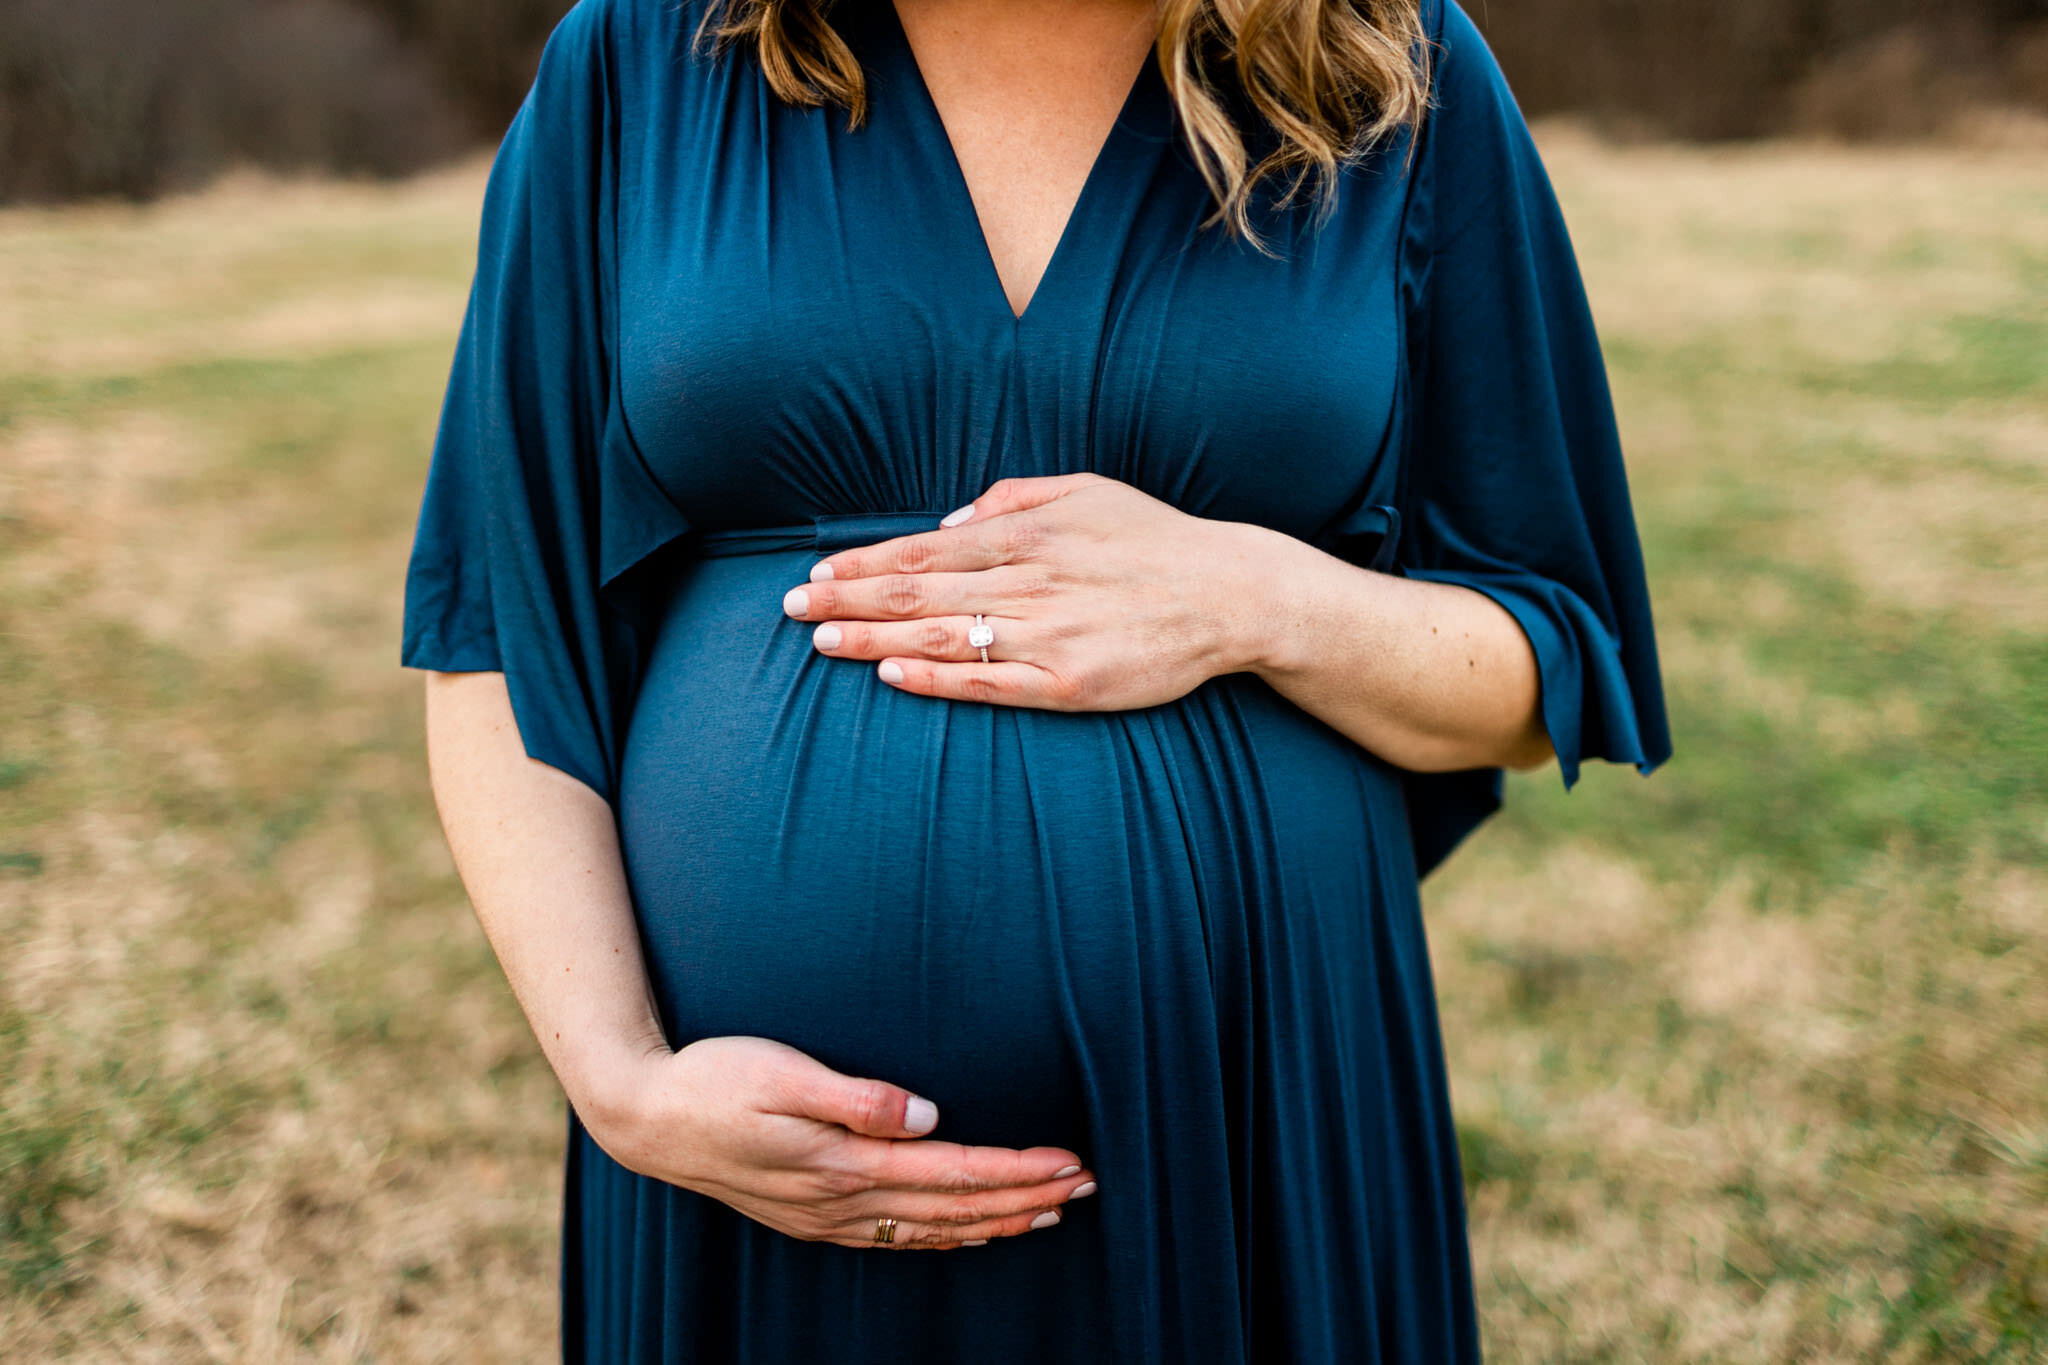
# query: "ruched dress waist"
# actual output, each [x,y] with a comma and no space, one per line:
[1368,536]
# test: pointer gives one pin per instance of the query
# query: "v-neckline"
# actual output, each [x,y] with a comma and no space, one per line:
[960,197]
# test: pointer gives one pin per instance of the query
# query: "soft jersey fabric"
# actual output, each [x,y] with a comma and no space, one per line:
[712,337]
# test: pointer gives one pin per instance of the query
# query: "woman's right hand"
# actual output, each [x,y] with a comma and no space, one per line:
[821,1155]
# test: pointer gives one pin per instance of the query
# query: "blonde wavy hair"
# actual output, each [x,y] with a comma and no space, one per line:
[1331,79]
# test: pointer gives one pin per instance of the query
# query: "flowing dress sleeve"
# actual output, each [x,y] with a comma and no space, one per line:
[1515,484]
[537,503]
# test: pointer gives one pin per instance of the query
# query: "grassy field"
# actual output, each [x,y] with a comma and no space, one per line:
[1751,1057]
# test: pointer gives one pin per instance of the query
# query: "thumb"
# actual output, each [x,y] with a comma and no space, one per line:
[1017,493]
[875,1108]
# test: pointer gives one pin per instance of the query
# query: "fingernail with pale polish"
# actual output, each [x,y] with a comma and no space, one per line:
[920,1115]
[975,1242]
[826,637]
[890,671]
[1082,1190]
[957,515]
[1046,1219]
[820,571]
[1063,1172]
[796,601]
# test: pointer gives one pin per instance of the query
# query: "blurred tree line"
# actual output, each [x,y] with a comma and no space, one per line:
[134,97]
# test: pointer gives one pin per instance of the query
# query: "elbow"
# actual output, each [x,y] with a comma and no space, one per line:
[1437,753]
[1532,750]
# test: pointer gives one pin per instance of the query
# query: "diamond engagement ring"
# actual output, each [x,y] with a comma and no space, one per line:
[981,635]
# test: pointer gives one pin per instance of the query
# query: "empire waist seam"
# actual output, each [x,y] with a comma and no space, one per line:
[824,534]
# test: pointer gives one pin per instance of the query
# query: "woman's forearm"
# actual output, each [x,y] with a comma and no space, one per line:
[1429,676]
[538,853]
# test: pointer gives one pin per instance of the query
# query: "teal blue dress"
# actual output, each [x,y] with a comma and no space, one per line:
[713,336]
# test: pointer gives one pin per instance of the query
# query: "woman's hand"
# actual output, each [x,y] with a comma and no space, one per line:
[1101,597]
[1104,598]
[821,1155]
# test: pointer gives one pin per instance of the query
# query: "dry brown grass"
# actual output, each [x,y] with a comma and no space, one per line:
[251,1049]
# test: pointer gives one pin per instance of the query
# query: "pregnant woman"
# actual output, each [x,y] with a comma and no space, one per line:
[959,612]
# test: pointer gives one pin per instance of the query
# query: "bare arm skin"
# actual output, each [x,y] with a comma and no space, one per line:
[776,1134]
[538,853]
[1430,676]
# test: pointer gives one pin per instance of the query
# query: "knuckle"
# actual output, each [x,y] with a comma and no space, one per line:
[871,1102]
[981,687]
[1025,536]
[902,596]
[838,1183]
[963,1210]
[916,556]
[1034,585]
[934,637]
[1063,689]
[961,1181]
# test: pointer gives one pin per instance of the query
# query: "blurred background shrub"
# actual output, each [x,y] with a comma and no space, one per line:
[1750,68]
[136,97]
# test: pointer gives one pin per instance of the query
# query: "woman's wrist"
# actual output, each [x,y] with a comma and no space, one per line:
[1278,602]
[607,1078]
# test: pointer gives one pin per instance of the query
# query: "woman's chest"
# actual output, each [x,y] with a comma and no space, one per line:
[808,320]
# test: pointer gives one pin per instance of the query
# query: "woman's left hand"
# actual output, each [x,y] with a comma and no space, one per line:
[1101,597]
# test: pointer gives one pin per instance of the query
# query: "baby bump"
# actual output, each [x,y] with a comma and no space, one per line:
[986,904]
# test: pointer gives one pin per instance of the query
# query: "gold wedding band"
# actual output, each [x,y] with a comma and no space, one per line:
[885,1229]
